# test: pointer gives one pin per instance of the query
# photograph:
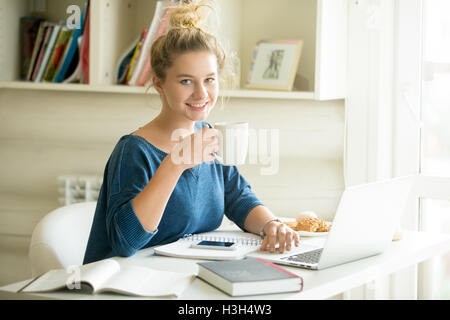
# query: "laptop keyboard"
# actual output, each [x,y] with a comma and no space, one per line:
[305,257]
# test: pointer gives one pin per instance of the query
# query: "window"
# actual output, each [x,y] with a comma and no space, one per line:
[435,135]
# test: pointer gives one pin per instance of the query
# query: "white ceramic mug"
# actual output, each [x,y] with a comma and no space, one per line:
[233,142]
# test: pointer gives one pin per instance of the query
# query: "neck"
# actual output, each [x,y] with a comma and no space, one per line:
[168,122]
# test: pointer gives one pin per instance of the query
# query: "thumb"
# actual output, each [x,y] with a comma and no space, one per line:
[205,134]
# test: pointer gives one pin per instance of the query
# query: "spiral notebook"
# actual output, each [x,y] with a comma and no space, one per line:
[181,248]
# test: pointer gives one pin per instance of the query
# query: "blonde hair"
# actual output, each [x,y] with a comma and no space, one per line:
[187,33]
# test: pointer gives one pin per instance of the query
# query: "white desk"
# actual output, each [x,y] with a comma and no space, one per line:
[415,247]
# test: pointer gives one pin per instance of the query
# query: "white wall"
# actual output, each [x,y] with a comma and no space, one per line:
[44,134]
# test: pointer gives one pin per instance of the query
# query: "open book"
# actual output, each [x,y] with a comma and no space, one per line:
[108,275]
[247,242]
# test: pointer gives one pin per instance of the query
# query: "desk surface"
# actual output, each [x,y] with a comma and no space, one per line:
[415,247]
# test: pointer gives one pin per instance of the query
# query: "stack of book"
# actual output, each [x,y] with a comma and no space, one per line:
[134,67]
[53,52]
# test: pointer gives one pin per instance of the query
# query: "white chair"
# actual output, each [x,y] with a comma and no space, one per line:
[59,239]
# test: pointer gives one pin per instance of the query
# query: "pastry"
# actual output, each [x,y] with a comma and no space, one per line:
[324,226]
[292,225]
[309,224]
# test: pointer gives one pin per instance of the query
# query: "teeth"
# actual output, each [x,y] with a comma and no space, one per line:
[197,105]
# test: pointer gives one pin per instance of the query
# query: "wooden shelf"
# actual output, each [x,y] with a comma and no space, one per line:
[251,94]
[266,94]
[69,87]
[321,24]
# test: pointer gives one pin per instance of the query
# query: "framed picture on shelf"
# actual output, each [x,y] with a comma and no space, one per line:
[274,64]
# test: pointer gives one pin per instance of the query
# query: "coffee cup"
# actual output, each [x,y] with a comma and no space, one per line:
[233,142]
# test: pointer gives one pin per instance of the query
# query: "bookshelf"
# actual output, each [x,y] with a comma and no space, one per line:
[267,94]
[321,24]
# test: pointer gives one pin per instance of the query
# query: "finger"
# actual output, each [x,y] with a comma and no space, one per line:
[214,146]
[209,154]
[281,238]
[210,146]
[208,134]
[289,238]
[272,239]
[211,157]
[264,244]
[296,239]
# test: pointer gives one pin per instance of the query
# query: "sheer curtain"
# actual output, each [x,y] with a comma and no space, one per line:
[435,133]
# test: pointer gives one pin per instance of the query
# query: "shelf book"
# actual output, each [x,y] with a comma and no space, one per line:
[70,52]
[31,31]
[250,276]
[50,50]
[128,59]
[49,45]
[137,68]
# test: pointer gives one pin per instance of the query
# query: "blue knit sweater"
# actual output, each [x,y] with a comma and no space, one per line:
[202,196]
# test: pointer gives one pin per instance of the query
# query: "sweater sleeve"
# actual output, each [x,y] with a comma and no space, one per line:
[239,197]
[129,172]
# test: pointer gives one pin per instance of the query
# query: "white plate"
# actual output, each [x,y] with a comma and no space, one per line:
[311,234]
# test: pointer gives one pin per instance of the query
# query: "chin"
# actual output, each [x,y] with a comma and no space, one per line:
[198,116]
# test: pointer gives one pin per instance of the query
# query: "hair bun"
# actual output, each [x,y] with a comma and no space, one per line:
[189,14]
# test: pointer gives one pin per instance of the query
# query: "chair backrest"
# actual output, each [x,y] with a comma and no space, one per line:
[59,239]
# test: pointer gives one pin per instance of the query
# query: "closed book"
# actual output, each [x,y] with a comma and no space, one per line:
[84,52]
[58,50]
[71,53]
[144,74]
[29,31]
[160,10]
[47,33]
[48,51]
[125,60]
[36,48]
[250,276]
[133,59]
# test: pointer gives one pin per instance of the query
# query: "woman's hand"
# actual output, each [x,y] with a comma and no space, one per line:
[195,148]
[277,232]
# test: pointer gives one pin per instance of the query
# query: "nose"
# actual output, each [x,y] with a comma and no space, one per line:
[200,92]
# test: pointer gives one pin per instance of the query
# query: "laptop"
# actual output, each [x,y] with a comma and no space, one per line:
[364,225]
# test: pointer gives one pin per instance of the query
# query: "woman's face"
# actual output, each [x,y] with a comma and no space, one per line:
[191,85]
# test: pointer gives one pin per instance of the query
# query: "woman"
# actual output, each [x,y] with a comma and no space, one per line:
[149,196]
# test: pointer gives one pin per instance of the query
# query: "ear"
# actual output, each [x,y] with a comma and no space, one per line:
[157,84]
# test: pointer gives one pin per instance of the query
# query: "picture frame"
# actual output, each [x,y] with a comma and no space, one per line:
[274,64]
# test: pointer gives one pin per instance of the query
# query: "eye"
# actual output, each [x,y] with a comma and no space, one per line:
[210,80]
[185,81]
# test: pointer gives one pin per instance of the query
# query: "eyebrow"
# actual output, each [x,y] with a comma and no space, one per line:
[184,75]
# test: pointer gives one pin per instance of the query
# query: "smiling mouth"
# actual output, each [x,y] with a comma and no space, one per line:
[197,106]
